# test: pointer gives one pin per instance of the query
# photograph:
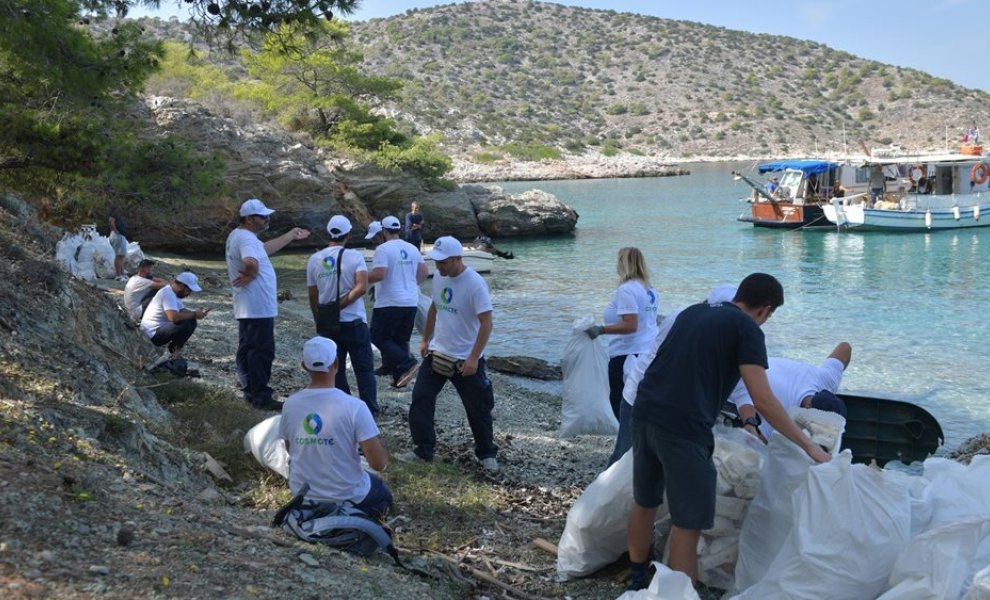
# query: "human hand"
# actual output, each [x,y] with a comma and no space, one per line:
[594,331]
[298,233]
[817,454]
[424,348]
[469,367]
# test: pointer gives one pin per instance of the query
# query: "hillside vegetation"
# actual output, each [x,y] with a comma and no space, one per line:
[534,78]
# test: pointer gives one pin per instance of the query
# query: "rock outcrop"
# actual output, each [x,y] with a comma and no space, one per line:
[306,187]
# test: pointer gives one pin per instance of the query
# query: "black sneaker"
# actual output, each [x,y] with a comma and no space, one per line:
[638,582]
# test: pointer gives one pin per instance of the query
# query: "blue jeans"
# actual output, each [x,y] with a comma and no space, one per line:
[355,340]
[476,396]
[616,381]
[255,353]
[391,328]
[623,441]
[379,499]
[174,334]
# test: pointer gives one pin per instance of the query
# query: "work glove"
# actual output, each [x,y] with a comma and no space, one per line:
[594,331]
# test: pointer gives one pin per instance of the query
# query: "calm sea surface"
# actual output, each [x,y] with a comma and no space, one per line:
[911,304]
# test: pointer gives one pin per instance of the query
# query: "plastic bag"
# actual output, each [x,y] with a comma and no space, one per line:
[666,585]
[422,310]
[585,407]
[268,448]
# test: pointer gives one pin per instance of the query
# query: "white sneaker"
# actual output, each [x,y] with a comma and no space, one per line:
[490,464]
[161,360]
[410,457]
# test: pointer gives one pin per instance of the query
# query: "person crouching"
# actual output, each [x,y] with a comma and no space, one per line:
[167,321]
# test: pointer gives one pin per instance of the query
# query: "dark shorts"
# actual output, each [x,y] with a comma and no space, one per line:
[682,467]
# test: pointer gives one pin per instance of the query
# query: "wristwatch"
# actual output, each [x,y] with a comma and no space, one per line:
[754,421]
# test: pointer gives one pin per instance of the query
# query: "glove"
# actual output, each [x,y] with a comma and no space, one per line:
[594,331]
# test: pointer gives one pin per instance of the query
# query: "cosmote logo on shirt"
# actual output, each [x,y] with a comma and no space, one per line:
[446,297]
[404,257]
[329,264]
[652,306]
[313,425]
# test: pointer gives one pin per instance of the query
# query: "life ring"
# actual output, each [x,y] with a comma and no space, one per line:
[979,173]
[917,173]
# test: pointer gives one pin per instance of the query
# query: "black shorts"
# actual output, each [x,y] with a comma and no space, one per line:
[683,467]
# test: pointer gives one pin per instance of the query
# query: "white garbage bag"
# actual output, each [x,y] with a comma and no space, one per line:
[850,522]
[666,585]
[941,563]
[585,407]
[980,590]
[263,442]
[422,310]
[134,257]
[957,491]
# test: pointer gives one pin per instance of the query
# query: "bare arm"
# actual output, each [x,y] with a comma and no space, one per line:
[158,283]
[628,324]
[185,314]
[314,301]
[375,453]
[758,386]
[275,244]
[431,321]
[247,273]
[422,272]
[377,274]
[355,293]
[746,411]
[842,352]
[470,366]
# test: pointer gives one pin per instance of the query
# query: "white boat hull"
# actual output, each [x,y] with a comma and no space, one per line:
[860,217]
[477,260]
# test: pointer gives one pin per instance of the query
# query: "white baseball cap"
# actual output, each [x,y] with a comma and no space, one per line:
[374,228]
[319,354]
[391,222]
[723,292]
[339,226]
[445,248]
[189,280]
[255,207]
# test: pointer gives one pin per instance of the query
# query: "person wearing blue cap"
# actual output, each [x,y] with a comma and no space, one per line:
[797,383]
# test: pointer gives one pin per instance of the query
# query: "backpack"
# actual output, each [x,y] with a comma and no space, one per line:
[339,525]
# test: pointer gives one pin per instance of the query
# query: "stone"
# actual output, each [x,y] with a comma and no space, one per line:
[525,366]
[99,570]
[309,559]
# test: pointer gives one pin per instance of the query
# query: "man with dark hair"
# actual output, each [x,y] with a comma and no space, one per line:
[252,280]
[708,349]
[167,321]
[141,288]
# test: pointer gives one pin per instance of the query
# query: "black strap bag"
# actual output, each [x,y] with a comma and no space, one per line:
[328,315]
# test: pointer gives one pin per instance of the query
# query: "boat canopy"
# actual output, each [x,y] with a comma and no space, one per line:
[808,167]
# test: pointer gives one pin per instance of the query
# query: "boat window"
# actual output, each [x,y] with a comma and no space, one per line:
[862,175]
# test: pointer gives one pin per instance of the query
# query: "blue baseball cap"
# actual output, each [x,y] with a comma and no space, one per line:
[826,400]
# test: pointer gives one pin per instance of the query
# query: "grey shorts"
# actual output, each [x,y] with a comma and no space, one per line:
[684,468]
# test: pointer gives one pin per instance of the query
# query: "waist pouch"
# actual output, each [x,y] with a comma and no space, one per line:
[444,365]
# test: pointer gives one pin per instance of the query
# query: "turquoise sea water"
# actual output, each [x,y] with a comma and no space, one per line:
[911,305]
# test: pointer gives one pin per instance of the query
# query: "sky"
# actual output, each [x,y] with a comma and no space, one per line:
[935,36]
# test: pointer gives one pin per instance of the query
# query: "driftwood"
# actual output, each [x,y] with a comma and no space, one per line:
[487,578]
[546,546]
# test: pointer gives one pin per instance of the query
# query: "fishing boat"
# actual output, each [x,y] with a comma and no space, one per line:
[798,190]
[477,260]
[927,192]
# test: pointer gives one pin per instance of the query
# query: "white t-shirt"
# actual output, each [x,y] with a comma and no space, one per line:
[321,271]
[323,428]
[257,299]
[458,300]
[401,261]
[155,316]
[135,290]
[792,381]
[643,361]
[633,298]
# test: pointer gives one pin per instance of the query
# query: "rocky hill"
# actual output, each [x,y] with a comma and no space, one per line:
[504,72]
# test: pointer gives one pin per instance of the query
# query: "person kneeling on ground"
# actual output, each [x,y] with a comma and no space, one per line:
[141,288]
[168,321]
[323,428]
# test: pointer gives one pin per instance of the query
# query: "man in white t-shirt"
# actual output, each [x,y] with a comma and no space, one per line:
[167,321]
[324,270]
[458,326]
[797,383]
[253,282]
[323,428]
[141,288]
[397,270]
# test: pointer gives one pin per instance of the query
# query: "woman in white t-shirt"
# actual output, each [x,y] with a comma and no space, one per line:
[630,320]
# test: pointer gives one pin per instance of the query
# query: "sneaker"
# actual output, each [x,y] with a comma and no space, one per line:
[490,464]
[638,582]
[161,360]
[406,377]
[410,457]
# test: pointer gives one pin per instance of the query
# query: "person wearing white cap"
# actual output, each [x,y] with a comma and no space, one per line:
[458,326]
[254,286]
[397,271]
[338,275]
[167,321]
[323,428]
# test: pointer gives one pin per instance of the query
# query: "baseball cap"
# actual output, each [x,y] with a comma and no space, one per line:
[319,354]
[255,207]
[391,222]
[826,400]
[723,292]
[374,228]
[189,280]
[339,226]
[446,247]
